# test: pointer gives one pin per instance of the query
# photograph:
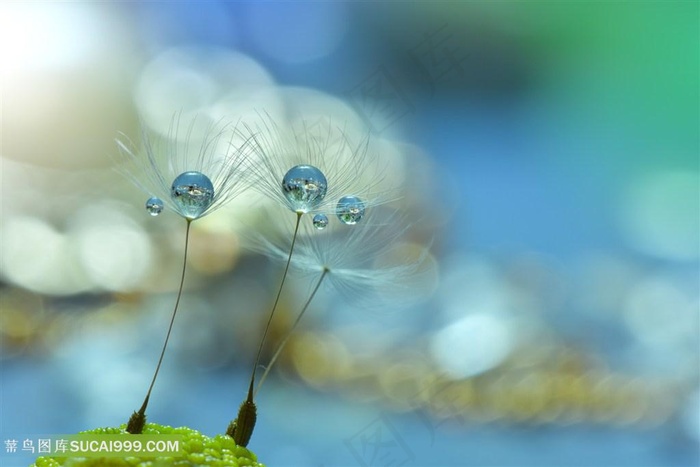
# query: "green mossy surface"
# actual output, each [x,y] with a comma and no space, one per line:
[198,449]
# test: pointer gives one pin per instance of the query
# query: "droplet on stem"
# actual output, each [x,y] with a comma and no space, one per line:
[193,192]
[154,206]
[320,221]
[304,187]
[350,210]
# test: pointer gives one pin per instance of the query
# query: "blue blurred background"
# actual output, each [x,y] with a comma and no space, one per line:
[550,157]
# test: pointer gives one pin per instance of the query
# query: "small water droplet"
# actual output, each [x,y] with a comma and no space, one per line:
[304,187]
[320,221]
[193,192]
[154,206]
[350,210]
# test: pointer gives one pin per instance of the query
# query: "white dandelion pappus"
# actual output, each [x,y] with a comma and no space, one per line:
[192,175]
[308,170]
[345,258]
[347,253]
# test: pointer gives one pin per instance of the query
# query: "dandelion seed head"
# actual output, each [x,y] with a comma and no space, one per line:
[304,186]
[193,192]
[344,160]
[320,221]
[349,256]
[350,210]
[154,205]
[191,174]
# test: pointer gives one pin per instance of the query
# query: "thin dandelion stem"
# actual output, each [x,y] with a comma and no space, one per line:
[241,429]
[177,304]
[142,411]
[291,330]
[274,307]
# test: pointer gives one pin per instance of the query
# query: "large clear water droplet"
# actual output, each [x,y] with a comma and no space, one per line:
[305,187]
[193,193]
[350,210]
[320,221]
[154,206]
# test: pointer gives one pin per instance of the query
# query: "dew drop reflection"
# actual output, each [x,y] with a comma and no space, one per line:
[304,186]
[350,210]
[193,193]
[320,221]
[154,206]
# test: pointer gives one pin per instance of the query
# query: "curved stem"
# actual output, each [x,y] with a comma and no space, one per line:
[291,330]
[142,411]
[274,307]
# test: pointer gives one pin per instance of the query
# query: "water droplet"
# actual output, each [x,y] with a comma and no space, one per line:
[304,187]
[350,210]
[193,192]
[154,206]
[320,221]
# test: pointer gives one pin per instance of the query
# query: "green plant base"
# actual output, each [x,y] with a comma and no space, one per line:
[198,450]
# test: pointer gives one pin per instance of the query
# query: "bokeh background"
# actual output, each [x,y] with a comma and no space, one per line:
[550,157]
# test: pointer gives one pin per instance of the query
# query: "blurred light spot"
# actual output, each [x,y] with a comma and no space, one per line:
[191,81]
[40,36]
[317,112]
[116,252]
[660,215]
[472,345]
[37,257]
[658,313]
[319,359]
[298,32]
[252,103]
